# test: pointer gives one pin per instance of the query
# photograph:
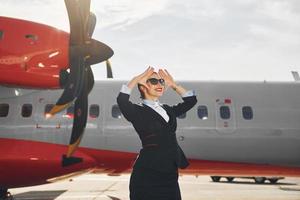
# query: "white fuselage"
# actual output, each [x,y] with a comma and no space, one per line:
[270,136]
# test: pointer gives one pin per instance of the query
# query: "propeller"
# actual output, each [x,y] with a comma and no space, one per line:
[83,52]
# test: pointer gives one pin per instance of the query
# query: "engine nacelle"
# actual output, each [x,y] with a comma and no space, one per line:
[32,55]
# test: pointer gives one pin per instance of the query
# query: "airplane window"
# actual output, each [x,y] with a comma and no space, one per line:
[94,111]
[247,112]
[26,110]
[182,116]
[4,107]
[202,112]
[116,112]
[70,111]
[48,107]
[1,34]
[225,112]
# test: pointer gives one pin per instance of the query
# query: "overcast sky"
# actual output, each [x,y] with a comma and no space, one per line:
[193,39]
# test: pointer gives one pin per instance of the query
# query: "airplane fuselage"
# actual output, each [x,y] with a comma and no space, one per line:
[237,128]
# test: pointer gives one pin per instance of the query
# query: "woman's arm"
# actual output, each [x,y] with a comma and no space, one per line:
[141,79]
[171,83]
[189,98]
[186,105]
[128,108]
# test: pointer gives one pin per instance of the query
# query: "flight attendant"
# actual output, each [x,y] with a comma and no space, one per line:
[155,172]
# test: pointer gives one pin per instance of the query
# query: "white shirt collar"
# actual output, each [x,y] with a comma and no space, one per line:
[151,102]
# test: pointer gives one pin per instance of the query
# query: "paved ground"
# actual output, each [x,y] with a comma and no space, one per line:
[103,187]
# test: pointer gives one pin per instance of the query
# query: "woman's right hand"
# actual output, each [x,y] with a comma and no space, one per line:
[142,78]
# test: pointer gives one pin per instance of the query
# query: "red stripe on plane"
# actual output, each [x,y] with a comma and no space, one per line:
[26,163]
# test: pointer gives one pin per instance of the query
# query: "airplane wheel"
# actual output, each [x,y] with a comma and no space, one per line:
[215,178]
[259,180]
[5,195]
[273,180]
[230,179]
[9,196]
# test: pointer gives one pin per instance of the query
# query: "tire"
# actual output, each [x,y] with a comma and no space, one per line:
[259,180]
[230,179]
[273,180]
[215,178]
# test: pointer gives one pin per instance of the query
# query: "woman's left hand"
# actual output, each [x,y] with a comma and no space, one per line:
[167,77]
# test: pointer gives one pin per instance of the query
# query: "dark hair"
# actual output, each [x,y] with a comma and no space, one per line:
[141,91]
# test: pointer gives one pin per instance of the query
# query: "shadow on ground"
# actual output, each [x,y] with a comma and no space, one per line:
[253,183]
[45,195]
[39,195]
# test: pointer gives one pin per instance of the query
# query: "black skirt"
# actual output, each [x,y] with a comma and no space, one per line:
[149,184]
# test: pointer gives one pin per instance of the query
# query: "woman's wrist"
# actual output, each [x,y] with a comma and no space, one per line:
[178,88]
[174,86]
[131,84]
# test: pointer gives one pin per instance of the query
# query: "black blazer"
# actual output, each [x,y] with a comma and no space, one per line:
[160,148]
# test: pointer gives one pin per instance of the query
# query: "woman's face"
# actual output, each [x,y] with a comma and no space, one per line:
[156,87]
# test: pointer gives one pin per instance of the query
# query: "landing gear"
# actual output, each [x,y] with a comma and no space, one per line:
[5,195]
[273,180]
[230,179]
[215,178]
[259,180]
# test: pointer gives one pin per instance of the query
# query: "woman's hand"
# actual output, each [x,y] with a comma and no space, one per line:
[163,73]
[142,78]
[170,82]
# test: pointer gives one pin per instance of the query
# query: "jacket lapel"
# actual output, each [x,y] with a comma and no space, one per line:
[156,115]
[171,115]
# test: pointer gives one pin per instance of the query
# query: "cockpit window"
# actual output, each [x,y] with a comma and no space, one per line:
[1,34]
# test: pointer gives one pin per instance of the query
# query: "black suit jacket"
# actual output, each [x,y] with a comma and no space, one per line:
[160,148]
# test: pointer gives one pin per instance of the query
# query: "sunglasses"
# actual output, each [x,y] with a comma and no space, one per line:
[155,81]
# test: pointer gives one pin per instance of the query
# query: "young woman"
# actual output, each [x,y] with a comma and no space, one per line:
[155,172]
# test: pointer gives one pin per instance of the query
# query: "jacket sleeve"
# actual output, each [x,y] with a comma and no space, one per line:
[187,104]
[127,108]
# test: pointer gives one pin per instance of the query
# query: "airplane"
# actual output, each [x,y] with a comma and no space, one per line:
[242,129]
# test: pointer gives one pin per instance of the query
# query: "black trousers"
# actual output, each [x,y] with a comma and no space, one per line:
[149,184]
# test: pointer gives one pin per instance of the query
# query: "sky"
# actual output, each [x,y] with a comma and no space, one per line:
[234,40]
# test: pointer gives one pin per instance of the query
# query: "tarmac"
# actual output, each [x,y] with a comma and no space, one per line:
[104,187]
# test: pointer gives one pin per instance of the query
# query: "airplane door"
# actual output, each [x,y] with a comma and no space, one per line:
[225,116]
[51,129]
